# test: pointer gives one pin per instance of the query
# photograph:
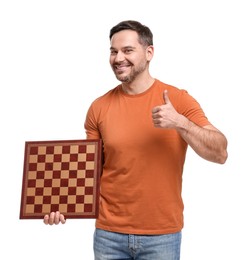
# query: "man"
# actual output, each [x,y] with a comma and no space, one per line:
[146,126]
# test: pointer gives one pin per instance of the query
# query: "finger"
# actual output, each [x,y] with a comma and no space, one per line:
[62,219]
[51,218]
[57,217]
[46,219]
[165,97]
[156,116]
[155,110]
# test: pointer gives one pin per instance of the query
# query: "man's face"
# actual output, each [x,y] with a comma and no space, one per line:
[128,58]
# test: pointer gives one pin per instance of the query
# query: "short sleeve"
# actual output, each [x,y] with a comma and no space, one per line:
[190,108]
[91,124]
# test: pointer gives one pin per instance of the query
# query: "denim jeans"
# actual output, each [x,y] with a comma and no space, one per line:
[117,246]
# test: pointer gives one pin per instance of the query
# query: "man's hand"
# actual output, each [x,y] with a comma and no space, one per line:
[165,116]
[54,218]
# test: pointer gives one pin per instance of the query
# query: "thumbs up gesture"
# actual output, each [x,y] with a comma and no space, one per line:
[165,116]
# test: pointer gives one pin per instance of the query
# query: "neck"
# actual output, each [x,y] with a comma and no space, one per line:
[138,86]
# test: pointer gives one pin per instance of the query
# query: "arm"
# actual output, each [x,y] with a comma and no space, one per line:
[91,124]
[208,142]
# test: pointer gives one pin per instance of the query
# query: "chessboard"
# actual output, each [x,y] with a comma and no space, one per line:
[61,176]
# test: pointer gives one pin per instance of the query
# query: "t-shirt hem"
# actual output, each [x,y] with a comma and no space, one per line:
[140,231]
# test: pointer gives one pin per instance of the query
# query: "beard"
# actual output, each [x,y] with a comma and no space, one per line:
[135,71]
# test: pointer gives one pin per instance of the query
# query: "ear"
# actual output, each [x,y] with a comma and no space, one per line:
[149,52]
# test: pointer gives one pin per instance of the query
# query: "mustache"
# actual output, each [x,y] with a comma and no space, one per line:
[121,64]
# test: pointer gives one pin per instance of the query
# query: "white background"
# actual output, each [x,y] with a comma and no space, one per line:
[54,63]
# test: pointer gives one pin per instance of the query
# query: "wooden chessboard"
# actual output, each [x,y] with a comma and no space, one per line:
[61,176]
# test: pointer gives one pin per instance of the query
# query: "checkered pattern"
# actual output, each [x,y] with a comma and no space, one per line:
[61,176]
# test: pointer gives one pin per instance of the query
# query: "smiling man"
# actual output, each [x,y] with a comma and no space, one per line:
[146,126]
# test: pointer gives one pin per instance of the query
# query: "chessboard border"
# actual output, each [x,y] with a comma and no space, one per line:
[74,215]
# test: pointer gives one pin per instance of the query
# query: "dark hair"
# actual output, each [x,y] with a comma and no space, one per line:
[144,33]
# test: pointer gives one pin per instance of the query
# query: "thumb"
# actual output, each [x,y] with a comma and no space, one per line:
[165,97]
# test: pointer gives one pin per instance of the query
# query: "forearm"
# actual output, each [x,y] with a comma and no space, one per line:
[207,142]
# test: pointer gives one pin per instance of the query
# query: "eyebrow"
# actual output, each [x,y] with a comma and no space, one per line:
[126,47]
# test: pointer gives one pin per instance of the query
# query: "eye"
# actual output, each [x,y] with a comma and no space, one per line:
[128,51]
[113,52]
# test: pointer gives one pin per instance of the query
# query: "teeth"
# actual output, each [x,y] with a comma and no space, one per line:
[120,66]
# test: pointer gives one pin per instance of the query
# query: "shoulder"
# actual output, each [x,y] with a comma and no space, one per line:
[101,104]
[175,93]
[106,97]
[180,98]
[164,86]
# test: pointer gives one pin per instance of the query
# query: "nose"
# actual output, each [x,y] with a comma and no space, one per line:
[119,56]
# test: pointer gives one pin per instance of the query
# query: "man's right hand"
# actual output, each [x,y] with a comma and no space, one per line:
[54,218]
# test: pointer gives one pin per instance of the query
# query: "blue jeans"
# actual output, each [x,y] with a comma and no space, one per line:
[117,246]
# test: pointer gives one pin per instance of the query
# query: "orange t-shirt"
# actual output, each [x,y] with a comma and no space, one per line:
[141,180]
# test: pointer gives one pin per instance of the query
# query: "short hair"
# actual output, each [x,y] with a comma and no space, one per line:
[144,33]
